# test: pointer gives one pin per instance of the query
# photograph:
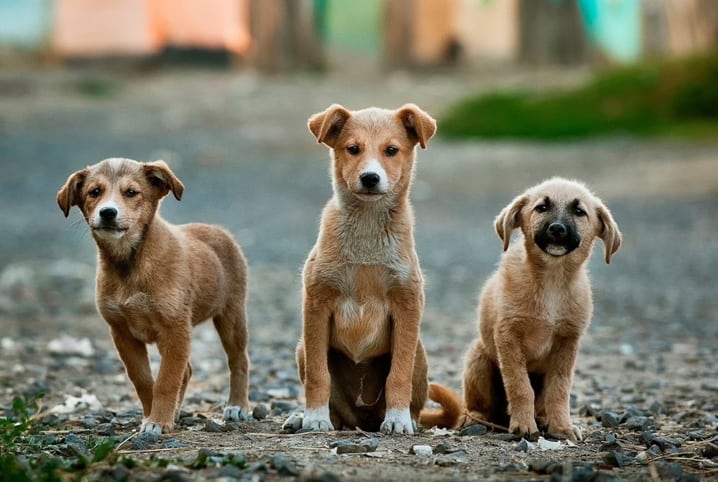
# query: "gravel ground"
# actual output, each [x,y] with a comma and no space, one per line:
[646,388]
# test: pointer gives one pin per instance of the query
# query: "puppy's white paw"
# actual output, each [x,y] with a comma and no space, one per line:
[317,419]
[235,412]
[397,420]
[151,427]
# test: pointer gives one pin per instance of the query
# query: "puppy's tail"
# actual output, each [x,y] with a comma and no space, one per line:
[451,408]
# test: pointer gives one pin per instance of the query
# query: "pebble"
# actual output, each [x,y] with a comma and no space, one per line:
[473,430]
[105,429]
[312,474]
[421,450]
[283,465]
[446,448]
[613,458]
[76,444]
[143,440]
[293,423]
[214,427]
[609,419]
[174,444]
[260,412]
[350,447]
[709,451]
[523,445]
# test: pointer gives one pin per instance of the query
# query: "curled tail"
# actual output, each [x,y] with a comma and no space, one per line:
[451,408]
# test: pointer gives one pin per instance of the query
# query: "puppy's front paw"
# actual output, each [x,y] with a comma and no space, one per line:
[524,426]
[317,420]
[234,412]
[155,428]
[570,432]
[397,420]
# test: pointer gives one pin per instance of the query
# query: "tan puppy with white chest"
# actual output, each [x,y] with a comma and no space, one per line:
[360,357]
[533,312]
[155,281]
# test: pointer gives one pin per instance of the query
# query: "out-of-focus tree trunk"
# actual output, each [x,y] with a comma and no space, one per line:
[551,32]
[398,33]
[284,36]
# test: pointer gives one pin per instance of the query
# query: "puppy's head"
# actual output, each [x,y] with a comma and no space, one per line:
[373,149]
[118,197]
[559,218]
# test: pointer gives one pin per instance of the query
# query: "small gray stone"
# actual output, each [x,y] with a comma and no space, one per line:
[174,444]
[709,451]
[144,440]
[350,447]
[446,448]
[283,465]
[105,429]
[609,419]
[613,458]
[421,450]
[293,423]
[260,412]
[214,427]
[473,430]
[522,445]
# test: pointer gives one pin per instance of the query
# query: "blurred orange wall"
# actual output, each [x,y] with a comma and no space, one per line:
[138,27]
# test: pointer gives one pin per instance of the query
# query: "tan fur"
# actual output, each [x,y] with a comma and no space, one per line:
[155,281]
[363,288]
[532,313]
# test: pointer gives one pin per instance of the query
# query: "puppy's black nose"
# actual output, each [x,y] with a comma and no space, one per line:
[369,179]
[557,230]
[108,214]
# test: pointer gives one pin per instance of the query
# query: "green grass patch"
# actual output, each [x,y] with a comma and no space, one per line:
[677,98]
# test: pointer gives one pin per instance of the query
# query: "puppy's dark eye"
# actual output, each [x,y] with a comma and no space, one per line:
[131,193]
[95,192]
[541,208]
[353,150]
[579,212]
[391,151]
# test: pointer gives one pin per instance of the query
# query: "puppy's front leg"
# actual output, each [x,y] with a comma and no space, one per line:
[316,368]
[174,350]
[406,309]
[133,354]
[514,373]
[557,388]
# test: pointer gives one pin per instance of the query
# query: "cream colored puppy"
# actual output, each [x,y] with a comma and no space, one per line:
[533,312]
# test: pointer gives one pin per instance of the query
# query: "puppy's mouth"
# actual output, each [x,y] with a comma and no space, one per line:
[369,194]
[556,250]
[109,231]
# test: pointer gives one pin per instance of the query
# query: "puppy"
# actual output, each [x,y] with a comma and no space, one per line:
[155,281]
[532,313]
[360,357]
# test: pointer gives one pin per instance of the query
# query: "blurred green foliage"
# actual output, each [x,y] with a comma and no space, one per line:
[677,97]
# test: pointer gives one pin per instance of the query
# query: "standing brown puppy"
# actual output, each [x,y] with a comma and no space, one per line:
[155,281]
[360,357]
[532,313]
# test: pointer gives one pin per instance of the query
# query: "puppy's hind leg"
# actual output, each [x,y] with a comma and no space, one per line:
[232,329]
[483,394]
[183,389]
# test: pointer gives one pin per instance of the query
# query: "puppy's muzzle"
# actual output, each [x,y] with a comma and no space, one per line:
[108,221]
[557,238]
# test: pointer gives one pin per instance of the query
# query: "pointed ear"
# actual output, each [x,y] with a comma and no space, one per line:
[327,125]
[418,124]
[609,232]
[509,219]
[162,177]
[69,194]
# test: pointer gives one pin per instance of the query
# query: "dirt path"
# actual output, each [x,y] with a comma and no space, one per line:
[240,145]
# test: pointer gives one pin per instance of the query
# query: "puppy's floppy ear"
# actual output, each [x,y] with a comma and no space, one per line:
[608,232]
[327,125]
[162,177]
[418,124]
[509,219]
[69,195]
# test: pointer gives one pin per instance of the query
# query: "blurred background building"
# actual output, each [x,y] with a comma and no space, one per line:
[281,35]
